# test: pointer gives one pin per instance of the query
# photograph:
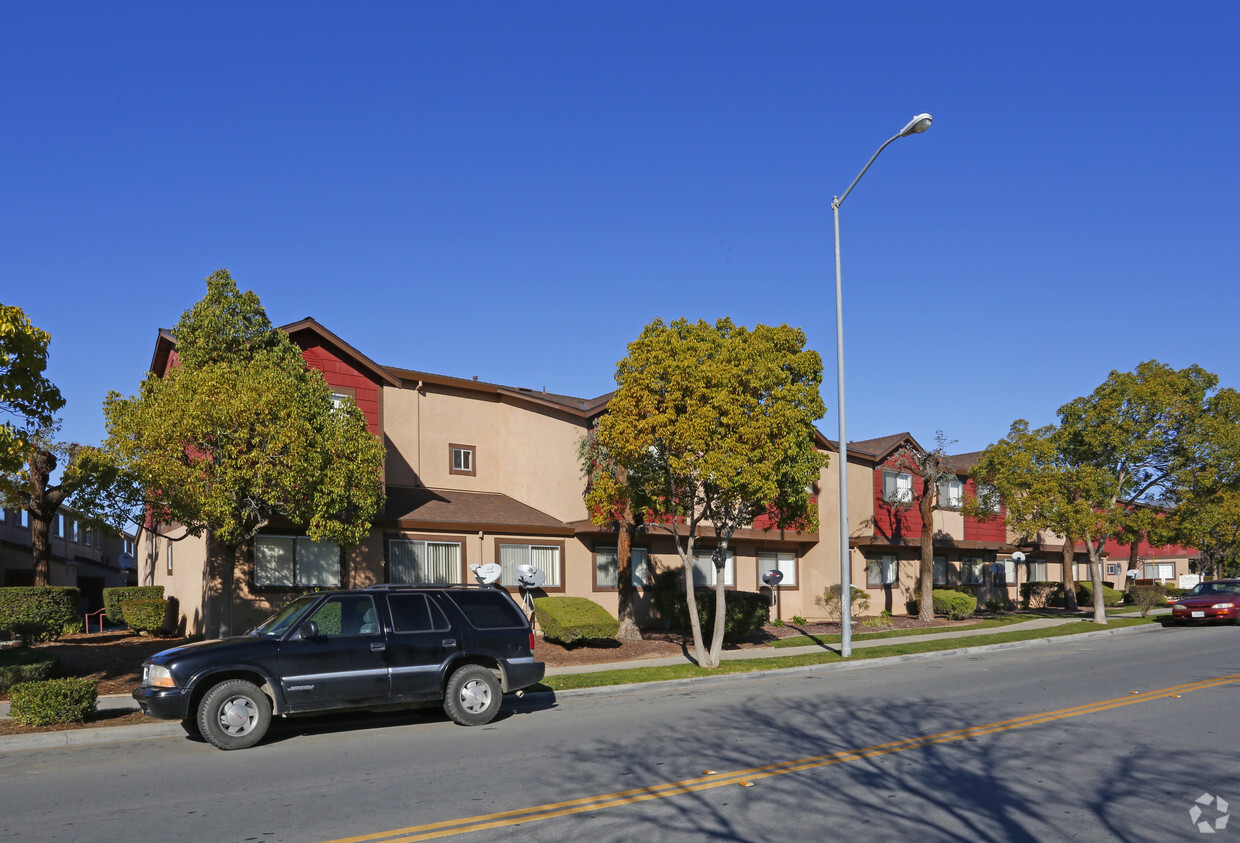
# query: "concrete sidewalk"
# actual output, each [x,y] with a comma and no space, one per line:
[165,728]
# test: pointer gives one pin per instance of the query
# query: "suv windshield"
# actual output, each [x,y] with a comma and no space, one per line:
[285,619]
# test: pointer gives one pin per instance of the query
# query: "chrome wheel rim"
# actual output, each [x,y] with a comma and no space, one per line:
[475,696]
[238,716]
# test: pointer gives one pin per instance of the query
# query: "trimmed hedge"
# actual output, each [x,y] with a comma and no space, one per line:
[1085,595]
[569,619]
[1040,594]
[112,598]
[145,615]
[745,611]
[956,605]
[22,664]
[53,701]
[39,613]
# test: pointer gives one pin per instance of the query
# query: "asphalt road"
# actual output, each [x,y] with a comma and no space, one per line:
[1104,739]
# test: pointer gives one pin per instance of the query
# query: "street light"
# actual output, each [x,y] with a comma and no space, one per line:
[915,127]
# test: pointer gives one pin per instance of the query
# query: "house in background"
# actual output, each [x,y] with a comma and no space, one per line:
[87,560]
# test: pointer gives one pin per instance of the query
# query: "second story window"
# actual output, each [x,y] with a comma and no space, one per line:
[897,487]
[463,461]
[988,498]
[951,493]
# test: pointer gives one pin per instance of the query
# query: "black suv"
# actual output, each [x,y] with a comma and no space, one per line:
[370,648]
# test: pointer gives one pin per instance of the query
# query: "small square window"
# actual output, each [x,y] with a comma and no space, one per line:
[462,460]
[897,487]
[885,570]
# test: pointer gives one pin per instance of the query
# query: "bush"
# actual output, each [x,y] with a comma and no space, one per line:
[829,602]
[746,611]
[1146,597]
[53,701]
[112,598]
[1040,594]
[1085,595]
[955,605]
[798,620]
[569,619]
[39,613]
[21,664]
[996,605]
[145,615]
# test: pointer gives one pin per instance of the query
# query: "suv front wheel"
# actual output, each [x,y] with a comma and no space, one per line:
[234,715]
[473,696]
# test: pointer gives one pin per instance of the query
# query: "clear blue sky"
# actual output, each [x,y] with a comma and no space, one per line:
[512,190]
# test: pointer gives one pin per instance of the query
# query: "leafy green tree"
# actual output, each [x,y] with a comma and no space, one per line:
[28,400]
[933,467]
[714,426]
[241,432]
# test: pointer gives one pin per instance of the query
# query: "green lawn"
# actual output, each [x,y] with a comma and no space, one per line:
[805,640]
[689,671]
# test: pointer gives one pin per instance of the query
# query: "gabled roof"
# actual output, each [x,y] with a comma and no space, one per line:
[964,462]
[882,447]
[309,325]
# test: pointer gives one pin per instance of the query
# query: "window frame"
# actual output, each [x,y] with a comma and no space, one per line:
[459,541]
[471,450]
[972,570]
[296,576]
[899,493]
[796,567]
[501,541]
[638,581]
[707,555]
[1032,565]
[877,569]
[987,492]
[934,570]
[952,501]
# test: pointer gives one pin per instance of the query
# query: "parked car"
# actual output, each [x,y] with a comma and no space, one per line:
[458,646]
[1212,600]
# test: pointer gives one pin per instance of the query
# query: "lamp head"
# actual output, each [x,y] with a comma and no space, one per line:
[917,125]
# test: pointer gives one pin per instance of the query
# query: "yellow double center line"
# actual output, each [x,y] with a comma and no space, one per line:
[502,819]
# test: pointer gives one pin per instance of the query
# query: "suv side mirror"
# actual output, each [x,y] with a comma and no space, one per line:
[309,629]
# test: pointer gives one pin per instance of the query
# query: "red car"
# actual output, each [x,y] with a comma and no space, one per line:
[1213,600]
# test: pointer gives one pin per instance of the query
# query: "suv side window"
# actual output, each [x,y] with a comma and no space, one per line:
[352,614]
[488,608]
[414,613]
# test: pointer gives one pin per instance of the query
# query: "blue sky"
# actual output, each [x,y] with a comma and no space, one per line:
[512,190]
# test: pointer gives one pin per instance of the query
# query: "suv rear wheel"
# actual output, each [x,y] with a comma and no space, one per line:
[473,696]
[234,715]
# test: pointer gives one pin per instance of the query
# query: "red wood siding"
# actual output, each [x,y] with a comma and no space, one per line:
[891,521]
[992,530]
[1120,551]
[340,374]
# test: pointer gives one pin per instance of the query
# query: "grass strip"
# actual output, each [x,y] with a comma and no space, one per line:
[662,673]
[806,640]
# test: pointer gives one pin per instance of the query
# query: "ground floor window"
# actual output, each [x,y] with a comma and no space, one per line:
[882,570]
[704,568]
[1160,570]
[545,557]
[940,570]
[424,561]
[607,567]
[1003,572]
[293,561]
[1037,571]
[971,571]
[783,561]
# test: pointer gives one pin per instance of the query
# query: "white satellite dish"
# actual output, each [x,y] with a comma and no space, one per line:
[488,573]
[529,577]
[1018,557]
[1132,572]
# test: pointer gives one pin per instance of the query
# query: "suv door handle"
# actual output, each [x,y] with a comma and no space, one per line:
[377,647]
[448,642]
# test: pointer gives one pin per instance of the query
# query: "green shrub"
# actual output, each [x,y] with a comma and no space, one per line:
[1039,594]
[1175,593]
[995,605]
[112,598]
[955,605]
[569,619]
[53,701]
[746,611]
[798,620]
[39,613]
[829,601]
[778,622]
[22,664]
[1146,597]
[1085,595]
[145,615]
[877,622]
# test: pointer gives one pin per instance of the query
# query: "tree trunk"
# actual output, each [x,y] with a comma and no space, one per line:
[695,624]
[44,501]
[1069,575]
[720,558]
[624,578]
[1095,570]
[925,607]
[1133,564]
[221,568]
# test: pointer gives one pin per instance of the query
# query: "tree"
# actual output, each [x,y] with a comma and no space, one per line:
[243,432]
[933,467]
[609,499]
[714,425]
[25,392]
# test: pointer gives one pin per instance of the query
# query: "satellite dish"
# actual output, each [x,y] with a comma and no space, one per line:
[773,577]
[488,573]
[1133,573]
[529,577]
[1018,557]
[124,562]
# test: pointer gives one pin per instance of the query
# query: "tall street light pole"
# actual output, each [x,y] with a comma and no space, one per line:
[915,126]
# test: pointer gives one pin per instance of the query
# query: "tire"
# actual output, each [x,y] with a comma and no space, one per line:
[473,696]
[234,715]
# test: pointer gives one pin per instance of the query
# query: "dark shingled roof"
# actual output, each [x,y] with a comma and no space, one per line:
[448,509]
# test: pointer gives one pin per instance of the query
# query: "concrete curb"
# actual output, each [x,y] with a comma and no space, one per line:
[168,728]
